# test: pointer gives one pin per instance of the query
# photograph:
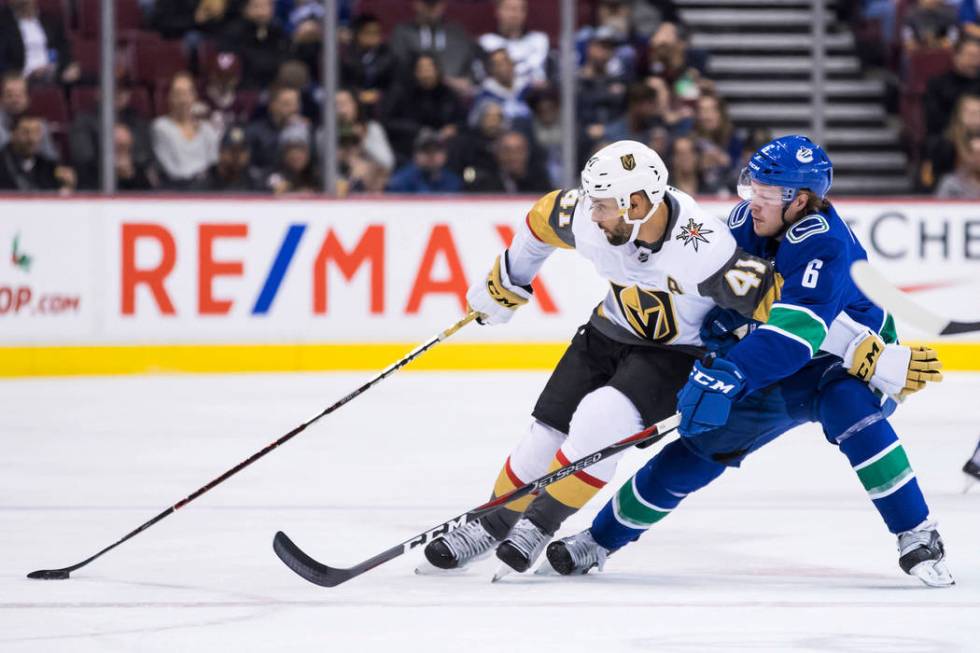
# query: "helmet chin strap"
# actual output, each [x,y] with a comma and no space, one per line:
[639,223]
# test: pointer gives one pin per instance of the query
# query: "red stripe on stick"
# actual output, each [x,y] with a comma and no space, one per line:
[581,475]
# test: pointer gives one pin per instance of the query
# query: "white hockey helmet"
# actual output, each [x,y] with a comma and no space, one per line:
[622,168]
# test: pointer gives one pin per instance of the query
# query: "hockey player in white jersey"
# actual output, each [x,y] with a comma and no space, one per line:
[668,263]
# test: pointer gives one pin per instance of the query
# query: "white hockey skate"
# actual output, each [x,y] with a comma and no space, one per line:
[522,547]
[460,547]
[921,554]
[577,554]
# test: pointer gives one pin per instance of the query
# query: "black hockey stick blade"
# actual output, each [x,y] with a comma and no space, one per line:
[326,576]
[883,293]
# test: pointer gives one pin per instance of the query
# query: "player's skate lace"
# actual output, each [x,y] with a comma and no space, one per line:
[577,554]
[523,545]
[921,554]
[460,547]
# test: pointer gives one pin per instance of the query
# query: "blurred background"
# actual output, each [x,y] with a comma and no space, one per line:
[479,96]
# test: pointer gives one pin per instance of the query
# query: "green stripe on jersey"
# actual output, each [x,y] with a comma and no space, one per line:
[798,324]
[886,472]
[888,332]
[632,511]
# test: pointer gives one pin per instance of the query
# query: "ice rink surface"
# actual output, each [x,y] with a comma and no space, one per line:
[785,554]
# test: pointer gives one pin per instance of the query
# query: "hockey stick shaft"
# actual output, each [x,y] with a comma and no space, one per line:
[883,293]
[326,576]
[388,371]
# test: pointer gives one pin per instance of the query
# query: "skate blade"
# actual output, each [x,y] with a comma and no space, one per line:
[502,572]
[970,482]
[933,573]
[426,568]
[545,569]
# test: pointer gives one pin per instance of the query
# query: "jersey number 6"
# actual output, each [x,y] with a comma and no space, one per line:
[812,273]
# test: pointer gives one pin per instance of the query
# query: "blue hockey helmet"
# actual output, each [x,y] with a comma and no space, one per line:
[792,163]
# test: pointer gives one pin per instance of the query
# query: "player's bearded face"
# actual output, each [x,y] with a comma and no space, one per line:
[766,205]
[606,214]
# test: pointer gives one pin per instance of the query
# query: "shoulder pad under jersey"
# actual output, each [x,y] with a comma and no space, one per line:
[550,219]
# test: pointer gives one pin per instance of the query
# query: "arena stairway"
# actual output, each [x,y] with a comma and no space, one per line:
[760,61]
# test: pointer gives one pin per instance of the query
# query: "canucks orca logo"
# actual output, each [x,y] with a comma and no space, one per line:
[649,312]
[804,155]
[628,161]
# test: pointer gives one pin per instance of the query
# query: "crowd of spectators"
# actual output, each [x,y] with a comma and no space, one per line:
[933,47]
[224,95]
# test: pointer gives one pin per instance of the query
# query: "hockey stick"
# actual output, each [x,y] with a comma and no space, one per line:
[883,293]
[327,576]
[61,574]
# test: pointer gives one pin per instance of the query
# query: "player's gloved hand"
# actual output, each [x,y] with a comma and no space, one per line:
[496,298]
[706,399]
[895,370]
[722,329]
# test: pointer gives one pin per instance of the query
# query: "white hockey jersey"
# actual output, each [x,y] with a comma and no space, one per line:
[659,293]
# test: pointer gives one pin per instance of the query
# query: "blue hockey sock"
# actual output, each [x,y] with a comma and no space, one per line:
[876,455]
[655,490]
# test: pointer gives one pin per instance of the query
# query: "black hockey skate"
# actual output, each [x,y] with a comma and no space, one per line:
[972,469]
[576,554]
[921,554]
[460,547]
[523,545]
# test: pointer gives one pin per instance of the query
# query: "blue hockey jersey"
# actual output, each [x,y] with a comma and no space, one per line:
[813,258]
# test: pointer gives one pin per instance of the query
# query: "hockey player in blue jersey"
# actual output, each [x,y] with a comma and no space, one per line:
[752,391]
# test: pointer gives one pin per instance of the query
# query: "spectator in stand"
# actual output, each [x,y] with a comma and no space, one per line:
[472,148]
[184,145]
[190,20]
[944,91]
[84,143]
[369,134]
[34,45]
[546,130]
[754,140]
[295,74]
[930,24]
[261,43]
[718,143]
[368,65]
[221,103]
[515,170]
[944,151]
[24,167]
[295,171]
[131,174]
[601,93]
[969,17]
[427,173]
[685,166]
[614,19]
[677,74]
[502,87]
[424,101]
[233,171]
[304,25]
[359,172]
[454,49]
[964,183]
[528,50]
[263,133]
[15,101]
[649,15]
[643,112]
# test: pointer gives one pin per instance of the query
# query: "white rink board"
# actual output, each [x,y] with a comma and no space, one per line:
[223,255]
[785,554]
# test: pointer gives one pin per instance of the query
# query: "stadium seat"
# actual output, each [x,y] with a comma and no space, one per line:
[155,62]
[128,17]
[49,103]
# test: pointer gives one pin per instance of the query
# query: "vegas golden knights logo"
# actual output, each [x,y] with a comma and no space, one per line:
[628,161]
[649,312]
